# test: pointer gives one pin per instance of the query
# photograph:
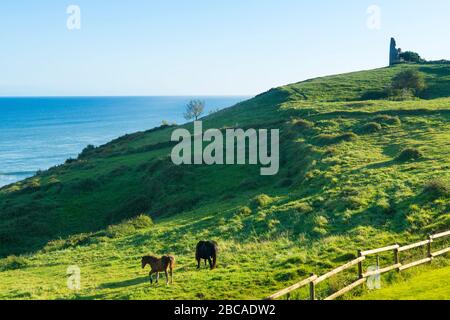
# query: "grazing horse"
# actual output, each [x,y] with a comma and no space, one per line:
[159,265]
[207,250]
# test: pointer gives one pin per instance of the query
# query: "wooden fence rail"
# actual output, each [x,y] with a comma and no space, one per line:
[313,280]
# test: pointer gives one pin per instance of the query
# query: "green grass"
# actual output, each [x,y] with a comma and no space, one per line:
[427,285]
[341,187]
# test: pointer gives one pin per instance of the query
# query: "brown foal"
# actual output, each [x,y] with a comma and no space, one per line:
[159,265]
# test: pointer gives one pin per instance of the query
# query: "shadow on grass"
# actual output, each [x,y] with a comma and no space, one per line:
[124,284]
[393,162]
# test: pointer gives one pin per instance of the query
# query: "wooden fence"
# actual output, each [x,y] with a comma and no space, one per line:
[313,280]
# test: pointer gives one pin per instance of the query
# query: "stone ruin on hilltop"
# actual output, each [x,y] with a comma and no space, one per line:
[394,55]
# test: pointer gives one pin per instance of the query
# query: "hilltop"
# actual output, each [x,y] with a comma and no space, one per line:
[344,183]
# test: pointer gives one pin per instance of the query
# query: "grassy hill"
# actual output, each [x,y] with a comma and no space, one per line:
[344,184]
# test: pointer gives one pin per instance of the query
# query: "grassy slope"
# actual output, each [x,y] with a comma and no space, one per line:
[335,193]
[427,285]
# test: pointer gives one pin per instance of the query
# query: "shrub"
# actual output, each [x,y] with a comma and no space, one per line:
[72,241]
[410,154]
[55,245]
[13,263]
[261,201]
[32,186]
[409,80]
[87,151]
[244,211]
[70,161]
[410,56]
[129,227]
[318,231]
[142,222]
[384,206]
[303,207]
[370,127]
[120,230]
[320,221]
[437,188]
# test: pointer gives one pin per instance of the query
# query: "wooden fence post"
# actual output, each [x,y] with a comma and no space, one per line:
[429,249]
[312,289]
[397,258]
[360,266]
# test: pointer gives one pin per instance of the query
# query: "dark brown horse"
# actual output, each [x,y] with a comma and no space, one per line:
[207,250]
[159,265]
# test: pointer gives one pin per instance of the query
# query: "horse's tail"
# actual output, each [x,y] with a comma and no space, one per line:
[171,266]
[214,260]
[171,262]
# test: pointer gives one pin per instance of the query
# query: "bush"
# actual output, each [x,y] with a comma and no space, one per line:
[142,222]
[87,151]
[261,201]
[409,80]
[370,127]
[55,245]
[71,242]
[129,227]
[120,230]
[320,221]
[244,211]
[303,207]
[410,154]
[70,161]
[410,56]
[13,263]
[437,188]
[318,231]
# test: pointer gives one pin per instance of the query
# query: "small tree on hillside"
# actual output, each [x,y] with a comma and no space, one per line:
[408,81]
[194,109]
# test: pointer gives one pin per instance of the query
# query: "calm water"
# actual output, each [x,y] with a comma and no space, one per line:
[37,133]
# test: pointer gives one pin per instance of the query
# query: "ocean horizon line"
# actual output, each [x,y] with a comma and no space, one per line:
[127,96]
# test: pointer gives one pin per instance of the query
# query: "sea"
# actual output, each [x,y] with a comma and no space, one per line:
[38,133]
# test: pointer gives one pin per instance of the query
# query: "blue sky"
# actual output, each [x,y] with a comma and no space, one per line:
[203,47]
